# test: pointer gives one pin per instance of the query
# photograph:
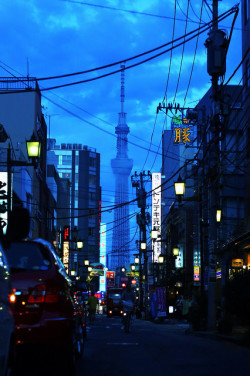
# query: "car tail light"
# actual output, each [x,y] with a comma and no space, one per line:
[38,294]
[12,298]
[52,295]
[44,294]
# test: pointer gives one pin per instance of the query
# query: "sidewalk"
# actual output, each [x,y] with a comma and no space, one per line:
[240,335]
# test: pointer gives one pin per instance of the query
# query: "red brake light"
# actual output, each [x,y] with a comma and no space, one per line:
[52,296]
[12,298]
[43,294]
[38,294]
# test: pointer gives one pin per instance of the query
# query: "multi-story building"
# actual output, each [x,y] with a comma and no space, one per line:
[80,164]
[21,116]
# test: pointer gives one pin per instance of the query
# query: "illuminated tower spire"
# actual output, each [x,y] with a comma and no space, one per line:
[121,166]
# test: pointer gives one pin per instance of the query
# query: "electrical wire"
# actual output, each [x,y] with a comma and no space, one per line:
[198,30]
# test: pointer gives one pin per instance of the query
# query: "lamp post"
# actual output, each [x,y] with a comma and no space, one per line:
[154,235]
[179,187]
[33,151]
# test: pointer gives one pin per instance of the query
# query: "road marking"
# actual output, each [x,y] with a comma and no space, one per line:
[123,343]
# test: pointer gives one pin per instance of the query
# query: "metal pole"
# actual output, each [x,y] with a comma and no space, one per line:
[9,182]
[213,176]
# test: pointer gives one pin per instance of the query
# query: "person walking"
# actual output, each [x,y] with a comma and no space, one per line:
[92,303]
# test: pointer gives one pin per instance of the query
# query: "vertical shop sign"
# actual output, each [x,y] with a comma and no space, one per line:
[156,212]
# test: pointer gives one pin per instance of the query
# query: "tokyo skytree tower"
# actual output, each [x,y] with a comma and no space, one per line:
[121,166]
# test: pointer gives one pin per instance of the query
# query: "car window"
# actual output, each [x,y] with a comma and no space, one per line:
[28,256]
[4,276]
[114,296]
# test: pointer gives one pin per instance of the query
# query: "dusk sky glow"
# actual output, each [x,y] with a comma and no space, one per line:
[45,38]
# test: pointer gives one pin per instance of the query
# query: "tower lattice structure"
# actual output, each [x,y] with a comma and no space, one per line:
[121,166]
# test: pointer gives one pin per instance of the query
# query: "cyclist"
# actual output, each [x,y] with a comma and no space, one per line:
[128,299]
[92,302]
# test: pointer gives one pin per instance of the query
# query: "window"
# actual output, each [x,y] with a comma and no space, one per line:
[247,73]
[66,159]
[92,179]
[91,214]
[92,196]
[92,162]
[246,5]
[66,175]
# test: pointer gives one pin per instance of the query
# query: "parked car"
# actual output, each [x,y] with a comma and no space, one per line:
[80,307]
[7,326]
[44,310]
[114,302]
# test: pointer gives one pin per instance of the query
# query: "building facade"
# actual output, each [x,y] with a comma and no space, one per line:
[21,116]
[80,165]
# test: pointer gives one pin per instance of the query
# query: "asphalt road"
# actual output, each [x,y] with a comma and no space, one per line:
[157,349]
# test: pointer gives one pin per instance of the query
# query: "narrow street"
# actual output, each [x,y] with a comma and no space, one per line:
[157,349]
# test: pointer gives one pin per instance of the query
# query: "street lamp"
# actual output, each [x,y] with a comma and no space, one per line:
[86,262]
[33,151]
[137,259]
[218,215]
[154,234]
[132,266]
[161,259]
[176,251]
[179,187]
[143,245]
[79,244]
[33,147]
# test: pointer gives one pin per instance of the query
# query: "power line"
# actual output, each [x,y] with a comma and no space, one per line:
[198,31]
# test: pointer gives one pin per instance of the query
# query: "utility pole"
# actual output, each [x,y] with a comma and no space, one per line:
[138,182]
[216,45]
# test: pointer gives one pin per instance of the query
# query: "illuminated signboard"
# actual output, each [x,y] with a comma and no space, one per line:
[179,259]
[181,129]
[103,256]
[3,199]
[218,273]
[237,263]
[196,273]
[66,233]
[110,278]
[66,256]
[156,213]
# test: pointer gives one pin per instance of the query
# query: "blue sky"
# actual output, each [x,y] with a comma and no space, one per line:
[44,38]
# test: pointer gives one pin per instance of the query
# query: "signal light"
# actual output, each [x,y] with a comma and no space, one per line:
[124,285]
[133,281]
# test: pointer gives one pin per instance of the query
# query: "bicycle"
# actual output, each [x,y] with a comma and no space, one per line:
[127,315]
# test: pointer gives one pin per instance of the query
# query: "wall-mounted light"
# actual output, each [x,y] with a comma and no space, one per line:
[86,262]
[143,245]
